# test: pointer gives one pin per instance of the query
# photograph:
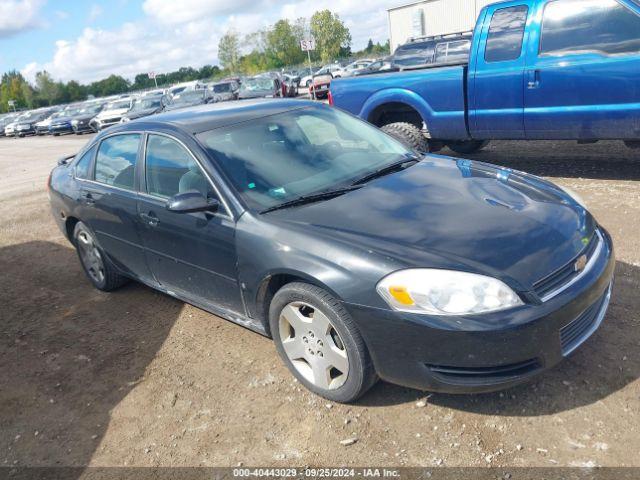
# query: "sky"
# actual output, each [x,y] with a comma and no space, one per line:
[87,40]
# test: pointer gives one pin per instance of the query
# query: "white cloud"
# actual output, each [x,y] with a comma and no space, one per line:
[178,34]
[173,12]
[18,15]
[95,12]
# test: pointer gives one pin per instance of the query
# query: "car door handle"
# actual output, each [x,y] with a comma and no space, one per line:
[150,219]
[88,198]
[533,79]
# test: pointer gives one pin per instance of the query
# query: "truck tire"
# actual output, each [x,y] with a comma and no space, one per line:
[408,134]
[469,146]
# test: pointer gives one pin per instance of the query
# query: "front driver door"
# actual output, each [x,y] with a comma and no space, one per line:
[191,254]
[496,77]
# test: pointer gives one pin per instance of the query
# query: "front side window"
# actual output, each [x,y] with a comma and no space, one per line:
[506,33]
[171,169]
[281,157]
[83,166]
[116,161]
[589,26]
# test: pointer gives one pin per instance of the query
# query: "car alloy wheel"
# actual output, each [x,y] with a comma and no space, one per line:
[90,256]
[313,345]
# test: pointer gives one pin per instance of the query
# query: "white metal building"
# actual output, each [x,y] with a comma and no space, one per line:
[432,17]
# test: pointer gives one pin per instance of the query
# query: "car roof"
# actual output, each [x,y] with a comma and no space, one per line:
[202,118]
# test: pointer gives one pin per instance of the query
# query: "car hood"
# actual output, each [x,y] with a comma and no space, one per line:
[112,113]
[132,115]
[255,93]
[178,106]
[465,215]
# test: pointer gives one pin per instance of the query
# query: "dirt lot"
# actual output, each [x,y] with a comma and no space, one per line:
[138,378]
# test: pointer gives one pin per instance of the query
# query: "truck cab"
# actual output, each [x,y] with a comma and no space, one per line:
[537,69]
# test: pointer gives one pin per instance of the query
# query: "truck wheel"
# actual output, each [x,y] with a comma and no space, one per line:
[319,342]
[634,144]
[470,146]
[408,134]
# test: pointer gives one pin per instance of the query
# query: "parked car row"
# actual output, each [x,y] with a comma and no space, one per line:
[97,114]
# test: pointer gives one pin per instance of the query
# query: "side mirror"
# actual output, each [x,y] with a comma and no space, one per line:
[190,202]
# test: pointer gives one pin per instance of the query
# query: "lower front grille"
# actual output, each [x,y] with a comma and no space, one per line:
[485,375]
[576,332]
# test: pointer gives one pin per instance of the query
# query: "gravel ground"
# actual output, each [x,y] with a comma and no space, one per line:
[138,378]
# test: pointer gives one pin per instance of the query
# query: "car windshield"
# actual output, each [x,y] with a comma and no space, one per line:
[222,87]
[257,83]
[275,159]
[119,105]
[90,109]
[190,96]
[147,103]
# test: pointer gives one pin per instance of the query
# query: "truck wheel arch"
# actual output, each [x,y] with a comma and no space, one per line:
[396,105]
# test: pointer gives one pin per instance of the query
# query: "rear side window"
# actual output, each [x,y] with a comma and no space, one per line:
[589,26]
[116,161]
[506,33]
[83,166]
[414,54]
[170,169]
[453,52]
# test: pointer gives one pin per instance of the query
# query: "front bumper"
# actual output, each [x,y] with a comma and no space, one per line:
[488,352]
[63,128]
[81,127]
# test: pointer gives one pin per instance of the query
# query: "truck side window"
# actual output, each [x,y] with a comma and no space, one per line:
[589,26]
[506,33]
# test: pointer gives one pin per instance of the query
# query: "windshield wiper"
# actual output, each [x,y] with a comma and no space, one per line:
[386,170]
[314,197]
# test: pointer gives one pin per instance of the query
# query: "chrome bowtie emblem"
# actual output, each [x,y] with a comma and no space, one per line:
[581,263]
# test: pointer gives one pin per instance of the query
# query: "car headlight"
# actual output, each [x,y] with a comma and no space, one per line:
[445,292]
[578,199]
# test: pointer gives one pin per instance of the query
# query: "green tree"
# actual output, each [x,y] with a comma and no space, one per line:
[283,44]
[48,90]
[330,33]
[369,48]
[229,50]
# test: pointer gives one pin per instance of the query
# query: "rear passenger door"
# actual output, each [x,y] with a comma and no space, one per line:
[108,200]
[496,78]
[583,71]
[191,254]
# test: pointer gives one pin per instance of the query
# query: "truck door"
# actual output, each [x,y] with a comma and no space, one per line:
[496,74]
[583,71]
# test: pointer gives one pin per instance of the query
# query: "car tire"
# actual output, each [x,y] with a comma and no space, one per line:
[324,351]
[96,265]
[408,134]
[466,147]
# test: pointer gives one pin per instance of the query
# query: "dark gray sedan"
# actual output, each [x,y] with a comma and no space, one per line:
[361,258]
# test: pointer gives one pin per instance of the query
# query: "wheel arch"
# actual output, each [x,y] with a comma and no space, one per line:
[396,105]
[69,226]
[274,281]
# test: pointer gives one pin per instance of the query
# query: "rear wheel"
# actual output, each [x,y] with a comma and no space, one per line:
[470,146]
[319,342]
[96,265]
[408,134]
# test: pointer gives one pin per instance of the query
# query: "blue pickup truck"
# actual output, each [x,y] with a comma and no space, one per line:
[537,69]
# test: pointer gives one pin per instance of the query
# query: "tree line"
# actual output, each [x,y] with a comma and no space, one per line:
[272,48]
